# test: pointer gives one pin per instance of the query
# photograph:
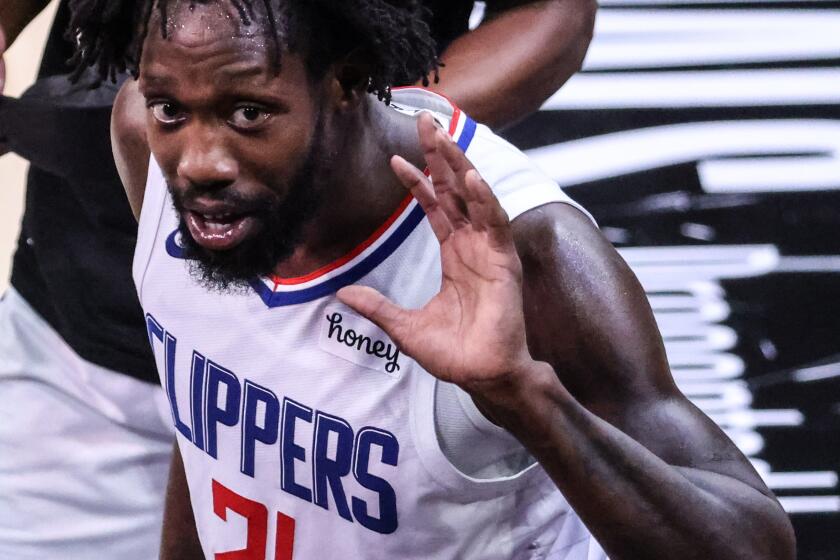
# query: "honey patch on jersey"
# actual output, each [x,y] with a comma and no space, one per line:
[355,339]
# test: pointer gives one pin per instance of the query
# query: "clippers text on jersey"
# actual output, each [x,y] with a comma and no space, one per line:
[310,469]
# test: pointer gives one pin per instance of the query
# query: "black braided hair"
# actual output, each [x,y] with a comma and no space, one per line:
[394,34]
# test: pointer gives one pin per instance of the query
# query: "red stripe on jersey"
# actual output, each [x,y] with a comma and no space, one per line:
[278,281]
[349,256]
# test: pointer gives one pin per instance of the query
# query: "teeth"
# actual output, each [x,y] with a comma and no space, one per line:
[217,217]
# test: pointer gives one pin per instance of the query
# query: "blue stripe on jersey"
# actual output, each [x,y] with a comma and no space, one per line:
[466,134]
[358,271]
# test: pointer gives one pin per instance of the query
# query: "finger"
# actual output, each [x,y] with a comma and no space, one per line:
[443,179]
[421,189]
[458,163]
[378,309]
[455,158]
[486,213]
[427,131]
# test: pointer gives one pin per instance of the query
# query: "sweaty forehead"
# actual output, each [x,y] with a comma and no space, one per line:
[210,36]
[200,24]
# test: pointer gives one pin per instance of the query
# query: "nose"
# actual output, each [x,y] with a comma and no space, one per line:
[205,162]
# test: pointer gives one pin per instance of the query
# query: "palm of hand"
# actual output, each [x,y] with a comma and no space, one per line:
[473,331]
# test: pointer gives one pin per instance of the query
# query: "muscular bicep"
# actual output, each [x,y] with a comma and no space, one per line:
[128,141]
[587,314]
[589,317]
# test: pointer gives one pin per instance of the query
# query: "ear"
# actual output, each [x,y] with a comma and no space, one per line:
[350,78]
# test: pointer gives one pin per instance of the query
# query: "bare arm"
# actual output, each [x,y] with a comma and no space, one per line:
[560,348]
[517,58]
[179,540]
[649,474]
[128,141]
[14,16]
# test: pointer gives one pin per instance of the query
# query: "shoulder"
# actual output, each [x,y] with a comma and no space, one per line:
[530,197]
[128,141]
[560,246]
[558,234]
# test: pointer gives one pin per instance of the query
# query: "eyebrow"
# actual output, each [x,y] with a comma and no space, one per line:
[243,70]
[238,71]
[156,79]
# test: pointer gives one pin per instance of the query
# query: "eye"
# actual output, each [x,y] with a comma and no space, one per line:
[167,112]
[248,116]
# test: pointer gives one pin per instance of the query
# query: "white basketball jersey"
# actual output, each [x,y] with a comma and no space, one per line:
[305,432]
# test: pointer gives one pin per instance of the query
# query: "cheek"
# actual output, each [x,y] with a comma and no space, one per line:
[276,156]
[166,149]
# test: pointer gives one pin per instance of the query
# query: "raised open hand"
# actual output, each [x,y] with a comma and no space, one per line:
[472,332]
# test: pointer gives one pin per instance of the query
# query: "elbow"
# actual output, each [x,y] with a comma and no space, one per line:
[586,10]
[568,31]
[583,12]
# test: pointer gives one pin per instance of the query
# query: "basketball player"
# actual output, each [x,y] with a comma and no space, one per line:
[357,373]
[74,344]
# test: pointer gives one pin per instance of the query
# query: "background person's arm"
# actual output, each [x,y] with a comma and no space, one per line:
[521,54]
[14,16]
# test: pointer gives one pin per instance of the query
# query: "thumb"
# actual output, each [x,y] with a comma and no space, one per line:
[378,309]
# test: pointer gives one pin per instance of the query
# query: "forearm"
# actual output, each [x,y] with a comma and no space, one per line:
[15,15]
[179,538]
[507,67]
[635,504]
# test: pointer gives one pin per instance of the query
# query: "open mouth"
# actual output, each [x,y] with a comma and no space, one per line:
[219,231]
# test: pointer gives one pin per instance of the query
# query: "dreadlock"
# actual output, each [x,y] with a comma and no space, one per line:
[394,34]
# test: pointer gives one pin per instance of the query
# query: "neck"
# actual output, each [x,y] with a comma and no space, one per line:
[361,190]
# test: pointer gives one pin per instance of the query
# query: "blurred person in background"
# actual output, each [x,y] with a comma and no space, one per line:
[83,449]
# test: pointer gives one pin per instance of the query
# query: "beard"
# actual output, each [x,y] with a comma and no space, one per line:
[282,224]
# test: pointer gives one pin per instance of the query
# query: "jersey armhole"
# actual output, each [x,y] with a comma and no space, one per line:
[438,466]
[477,418]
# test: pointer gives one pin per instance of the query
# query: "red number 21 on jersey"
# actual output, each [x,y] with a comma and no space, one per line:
[256,514]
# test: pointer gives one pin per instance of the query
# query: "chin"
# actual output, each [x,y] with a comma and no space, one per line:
[233,270]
